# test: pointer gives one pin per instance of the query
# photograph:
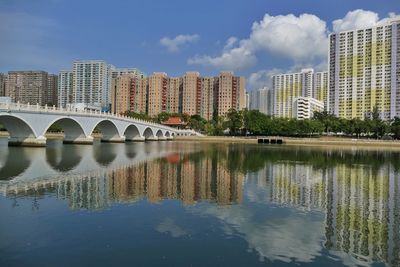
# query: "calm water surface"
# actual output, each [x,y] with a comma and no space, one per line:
[188,204]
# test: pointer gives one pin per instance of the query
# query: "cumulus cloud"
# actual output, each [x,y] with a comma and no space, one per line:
[300,39]
[175,44]
[233,59]
[359,18]
[262,78]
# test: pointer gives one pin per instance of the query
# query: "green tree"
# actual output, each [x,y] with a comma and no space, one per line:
[234,121]
[395,127]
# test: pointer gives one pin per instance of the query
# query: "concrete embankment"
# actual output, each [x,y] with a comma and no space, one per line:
[322,141]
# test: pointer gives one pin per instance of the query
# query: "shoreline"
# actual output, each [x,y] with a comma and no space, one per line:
[319,141]
[290,141]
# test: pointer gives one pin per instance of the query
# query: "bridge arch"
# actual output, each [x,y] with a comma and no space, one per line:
[148,133]
[159,134]
[18,128]
[132,132]
[108,129]
[167,134]
[73,130]
[63,159]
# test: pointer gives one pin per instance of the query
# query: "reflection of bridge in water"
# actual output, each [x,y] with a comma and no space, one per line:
[155,176]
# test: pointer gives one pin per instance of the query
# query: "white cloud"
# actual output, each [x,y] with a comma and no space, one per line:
[174,45]
[262,78]
[28,42]
[359,18]
[233,59]
[301,39]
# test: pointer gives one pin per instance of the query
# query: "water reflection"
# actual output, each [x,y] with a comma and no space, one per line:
[289,204]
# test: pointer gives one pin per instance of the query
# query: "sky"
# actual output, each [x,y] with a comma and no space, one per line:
[252,38]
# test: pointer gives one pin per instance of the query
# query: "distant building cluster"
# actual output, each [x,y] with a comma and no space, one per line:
[189,94]
[96,85]
[34,87]
[363,75]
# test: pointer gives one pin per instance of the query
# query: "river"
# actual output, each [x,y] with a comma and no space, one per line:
[198,204]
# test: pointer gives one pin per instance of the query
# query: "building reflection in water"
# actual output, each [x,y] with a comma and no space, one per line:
[189,178]
[359,193]
[361,203]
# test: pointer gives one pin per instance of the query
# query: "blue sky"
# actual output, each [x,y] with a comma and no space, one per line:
[254,38]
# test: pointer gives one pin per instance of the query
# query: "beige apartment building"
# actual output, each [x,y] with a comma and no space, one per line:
[124,86]
[208,85]
[191,98]
[157,93]
[27,87]
[174,89]
[230,93]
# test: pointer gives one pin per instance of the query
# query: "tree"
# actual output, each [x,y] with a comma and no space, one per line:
[395,127]
[234,121]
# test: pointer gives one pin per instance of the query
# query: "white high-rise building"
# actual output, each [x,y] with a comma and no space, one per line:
[65,87]
[92,83]
[364,71]
[287,87]
[261,100]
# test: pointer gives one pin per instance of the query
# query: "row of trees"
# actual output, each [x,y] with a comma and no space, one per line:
[253,122]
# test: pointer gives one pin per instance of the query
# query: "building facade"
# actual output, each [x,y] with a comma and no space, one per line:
[27,87]
[261,100]
[157,93]
[52,90]
[65,88]
[287,87]
[230,93]
[92,83]
[304,107]
[364,71]
[3,78]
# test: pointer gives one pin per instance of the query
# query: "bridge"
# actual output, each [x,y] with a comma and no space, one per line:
[27,125]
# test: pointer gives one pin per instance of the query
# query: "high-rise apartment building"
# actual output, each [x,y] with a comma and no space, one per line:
[123,93]
[230,93]
[261,100]
[208,87]
[65,88]
[52,90]
[364,71]
[191,93]
[92,83]
[27,86]
[320,88]
[157,93]
[3,78]
[174,95]
[287,87]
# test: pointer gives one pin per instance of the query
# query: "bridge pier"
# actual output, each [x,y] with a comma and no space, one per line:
[30,141]
[80,140]
[114,139]
[152,138]
[135,139]
[162,138]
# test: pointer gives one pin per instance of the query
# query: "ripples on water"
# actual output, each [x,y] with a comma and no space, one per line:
[172,203]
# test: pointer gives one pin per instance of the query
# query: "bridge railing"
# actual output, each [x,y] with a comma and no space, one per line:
[95,113]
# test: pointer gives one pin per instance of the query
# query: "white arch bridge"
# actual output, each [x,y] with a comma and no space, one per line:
[28,124]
